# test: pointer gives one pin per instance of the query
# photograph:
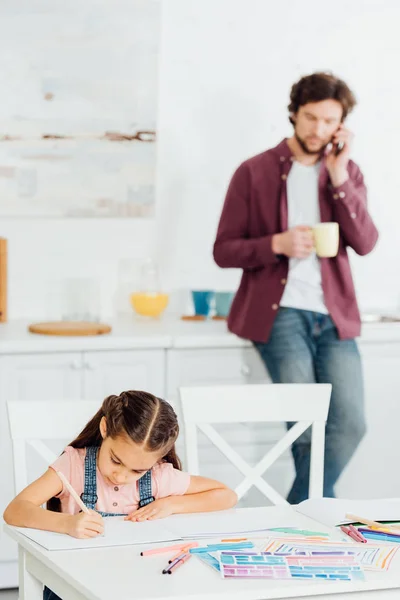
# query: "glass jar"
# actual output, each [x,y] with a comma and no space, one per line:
[149,300]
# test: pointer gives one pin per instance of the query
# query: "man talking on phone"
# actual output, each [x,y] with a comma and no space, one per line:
[300,311]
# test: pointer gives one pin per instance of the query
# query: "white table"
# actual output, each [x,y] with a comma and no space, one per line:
[120,573]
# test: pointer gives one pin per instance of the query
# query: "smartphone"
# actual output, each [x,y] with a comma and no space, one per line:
[338,148]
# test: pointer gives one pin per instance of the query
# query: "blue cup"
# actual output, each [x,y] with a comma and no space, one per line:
[202,301]
[223,301]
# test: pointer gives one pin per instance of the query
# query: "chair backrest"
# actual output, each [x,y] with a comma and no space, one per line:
[305,404]
[32,423]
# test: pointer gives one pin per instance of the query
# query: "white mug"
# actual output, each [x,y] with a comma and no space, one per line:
[326,239]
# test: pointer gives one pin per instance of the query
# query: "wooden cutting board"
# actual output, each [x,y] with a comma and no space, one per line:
[69,328]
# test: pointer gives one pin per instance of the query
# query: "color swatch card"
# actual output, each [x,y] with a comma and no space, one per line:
[266,566]
[253,566]
[210,559]
[327,568]
[375,558]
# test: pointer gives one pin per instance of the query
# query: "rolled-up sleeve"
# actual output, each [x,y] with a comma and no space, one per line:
[351,212]
[232,247]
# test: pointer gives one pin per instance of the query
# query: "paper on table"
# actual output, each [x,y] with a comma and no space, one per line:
[117,532]
[332,511]
[229,522]
[177,527]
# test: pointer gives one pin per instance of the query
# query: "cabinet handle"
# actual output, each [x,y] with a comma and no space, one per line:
[245,370]
[88,366]
[75,365]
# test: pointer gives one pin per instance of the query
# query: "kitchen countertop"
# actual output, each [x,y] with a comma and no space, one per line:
[135,333]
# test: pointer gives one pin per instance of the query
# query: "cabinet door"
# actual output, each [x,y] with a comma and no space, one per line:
[372,472]
[41,376]
[31,377]
[112,372]
[208,366]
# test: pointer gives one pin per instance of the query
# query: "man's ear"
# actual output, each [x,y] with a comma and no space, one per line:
[103,427]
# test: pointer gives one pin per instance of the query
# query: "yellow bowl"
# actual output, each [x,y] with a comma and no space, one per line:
[149,305]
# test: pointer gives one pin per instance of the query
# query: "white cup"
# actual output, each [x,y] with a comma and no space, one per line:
[326,239]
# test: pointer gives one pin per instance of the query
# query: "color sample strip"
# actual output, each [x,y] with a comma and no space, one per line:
[267,566]
[376,558]
[210,560]
[254,566]
[328,568]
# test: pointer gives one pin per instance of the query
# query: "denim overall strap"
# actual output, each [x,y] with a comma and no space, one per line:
[89,496]
[145,492]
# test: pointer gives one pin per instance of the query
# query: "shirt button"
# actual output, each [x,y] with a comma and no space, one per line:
[282,158]
[115,503]
[283,281]
[335,196]
[274,307]
[284,177]
[353,215]
[342,195]
[116,488]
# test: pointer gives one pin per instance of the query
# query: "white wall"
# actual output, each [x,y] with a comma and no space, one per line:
[99,60]
[225,73]
[226,70]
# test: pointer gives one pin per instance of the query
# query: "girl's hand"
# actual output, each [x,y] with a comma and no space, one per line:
[159,509]
[85,525]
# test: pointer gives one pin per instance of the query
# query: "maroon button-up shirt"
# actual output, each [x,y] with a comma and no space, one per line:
[255,209]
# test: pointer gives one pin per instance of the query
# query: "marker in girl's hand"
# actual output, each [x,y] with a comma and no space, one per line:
[73,493]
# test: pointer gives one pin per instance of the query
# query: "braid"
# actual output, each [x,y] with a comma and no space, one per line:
[113,410]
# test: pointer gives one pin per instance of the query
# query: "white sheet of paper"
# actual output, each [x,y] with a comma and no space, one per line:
[117,532]
[332,511]
[228,522]
[202,525]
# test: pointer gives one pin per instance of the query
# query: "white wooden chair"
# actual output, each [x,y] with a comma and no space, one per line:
[32,423]
[305,404]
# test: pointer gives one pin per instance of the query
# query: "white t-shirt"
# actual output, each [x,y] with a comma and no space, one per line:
[304,285]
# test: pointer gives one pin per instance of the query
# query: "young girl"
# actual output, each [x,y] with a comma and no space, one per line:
[122,463]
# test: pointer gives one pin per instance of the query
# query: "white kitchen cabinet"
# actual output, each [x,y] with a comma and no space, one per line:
[208,366]
[75,375]
[114,371]
[41,376]
[372,472]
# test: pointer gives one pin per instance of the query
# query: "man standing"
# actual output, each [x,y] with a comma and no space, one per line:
[301,311]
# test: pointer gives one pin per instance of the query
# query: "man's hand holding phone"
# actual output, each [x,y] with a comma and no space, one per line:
[338,157]
[297,242]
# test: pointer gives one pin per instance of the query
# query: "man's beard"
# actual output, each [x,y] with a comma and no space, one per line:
[306,149]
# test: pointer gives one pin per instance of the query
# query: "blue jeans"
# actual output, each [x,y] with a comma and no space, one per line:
[304,348]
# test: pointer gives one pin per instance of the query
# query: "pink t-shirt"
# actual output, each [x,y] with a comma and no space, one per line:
[166,481]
